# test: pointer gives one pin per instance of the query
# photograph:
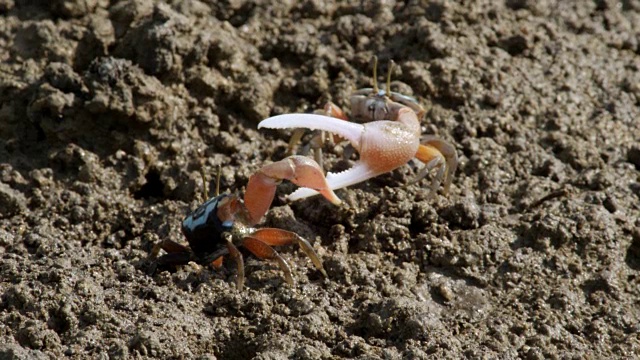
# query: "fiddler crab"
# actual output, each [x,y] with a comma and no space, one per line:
[225,222]
[388,138]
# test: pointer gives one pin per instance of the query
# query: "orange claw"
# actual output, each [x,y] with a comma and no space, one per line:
[300,170]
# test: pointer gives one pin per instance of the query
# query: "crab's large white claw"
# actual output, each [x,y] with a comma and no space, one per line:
[348,130]
[383,145]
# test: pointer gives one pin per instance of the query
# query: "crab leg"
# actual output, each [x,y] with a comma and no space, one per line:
[279,237]
[264,251]
[176,254]
[236,255]
[383,145]
[438,153]
[300,170]
[217,263]
[330,109]
[169,246]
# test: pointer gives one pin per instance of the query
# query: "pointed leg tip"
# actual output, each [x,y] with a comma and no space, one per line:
[240,285]
[331,196]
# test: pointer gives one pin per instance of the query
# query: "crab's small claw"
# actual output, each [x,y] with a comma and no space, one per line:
[300,170]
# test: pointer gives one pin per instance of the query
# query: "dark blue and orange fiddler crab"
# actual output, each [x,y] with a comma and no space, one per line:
[225,222]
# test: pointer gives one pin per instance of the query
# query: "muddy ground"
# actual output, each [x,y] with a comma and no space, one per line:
[108,110]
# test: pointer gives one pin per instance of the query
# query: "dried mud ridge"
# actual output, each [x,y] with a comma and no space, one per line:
[108,110]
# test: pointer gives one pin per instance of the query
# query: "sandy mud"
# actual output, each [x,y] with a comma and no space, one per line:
[109,109]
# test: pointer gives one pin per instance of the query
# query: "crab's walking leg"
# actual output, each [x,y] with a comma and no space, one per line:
[264,251]
[235,254]
[169,246]
[295,139]
[441,154]
[300,170]
[334,111]
[279,237]
[217,263]
[330,109]
[177,254]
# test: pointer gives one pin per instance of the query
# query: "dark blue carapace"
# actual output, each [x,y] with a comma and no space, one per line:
[203,229]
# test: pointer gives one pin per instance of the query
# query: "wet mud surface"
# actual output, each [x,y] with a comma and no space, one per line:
[108,111]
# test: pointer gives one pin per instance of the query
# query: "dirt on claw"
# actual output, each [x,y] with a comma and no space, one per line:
[108,111]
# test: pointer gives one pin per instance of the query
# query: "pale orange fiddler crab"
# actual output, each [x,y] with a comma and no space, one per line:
[388,138]
[224,222]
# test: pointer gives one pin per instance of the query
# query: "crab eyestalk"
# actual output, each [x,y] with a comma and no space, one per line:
[389,72]
[376,89]
[375,74]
